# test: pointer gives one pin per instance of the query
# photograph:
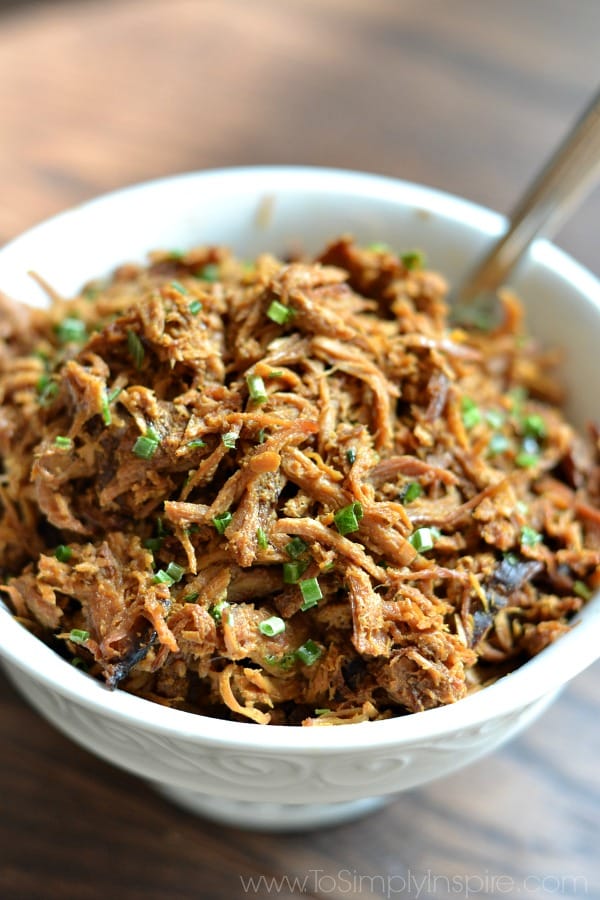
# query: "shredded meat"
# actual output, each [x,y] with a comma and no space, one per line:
[288,493]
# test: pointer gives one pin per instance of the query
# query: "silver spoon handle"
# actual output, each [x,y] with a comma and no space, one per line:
[564,179]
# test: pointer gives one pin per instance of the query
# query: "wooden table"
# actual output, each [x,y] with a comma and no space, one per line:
[467,96]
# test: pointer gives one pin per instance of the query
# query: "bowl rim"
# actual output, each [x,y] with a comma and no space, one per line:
[541,675]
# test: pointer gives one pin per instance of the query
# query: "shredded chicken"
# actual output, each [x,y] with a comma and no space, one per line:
[288,492]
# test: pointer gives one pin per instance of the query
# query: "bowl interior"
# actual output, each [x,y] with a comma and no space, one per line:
[280,209]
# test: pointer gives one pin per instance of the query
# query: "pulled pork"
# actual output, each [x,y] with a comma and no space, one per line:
[288,492]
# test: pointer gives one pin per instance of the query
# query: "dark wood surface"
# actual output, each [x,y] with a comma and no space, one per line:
[466,95]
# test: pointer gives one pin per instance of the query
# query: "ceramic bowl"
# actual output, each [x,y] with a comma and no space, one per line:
[279,777]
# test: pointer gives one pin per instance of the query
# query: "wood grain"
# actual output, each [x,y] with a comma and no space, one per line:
[466,96]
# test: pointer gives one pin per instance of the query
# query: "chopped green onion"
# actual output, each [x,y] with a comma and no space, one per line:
[217,610]
[71,330]
[256,388]
[198,442]
[106,401]
[284,662]
[413,259]
[351,455]
[471,414]
[162,577]
[272,626]
[582,590]
[195,307]
[63,553]
[78,636]
[347,519]
[229,439]
[293,571]
[136,348]
[190,598]
[275,373]
[494,418]
[422,539]
[279,313]
[521,507]
[175,572]
[262,539]
[222,521]
[146,445]
[499,443]
[529,536]
[65,443]
[379,247]
[209,272]
[322,712]
[311,593]
[526,460]
[78,663]
[153,544]
[261,436]
[535,426]
[296,547]
[308,653]
[176,255]
[177,286]
[47,390]
[413,491]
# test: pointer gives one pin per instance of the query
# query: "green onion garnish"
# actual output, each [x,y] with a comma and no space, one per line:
[279,313]
[529,536]
[256,388]
[153,544]
[499,443]
[78,636]
[63,553]
[413,491]
[275,373]
[209,272]
[422,539]
[272,626]
[46,388]
[222,521]
[217,610]
[582,590]
[284,662]
[471,414]
[195,307]
[494,418]
[347,519]
[413,259]
[296,547]
[351,455]
[229,439]
[190,598]
[136,348]
[261,436]
[177,286]
[198,442]
[105,407]
[146,445]
[526,460]
[262,539]
[379,247]
[308,653]
[162,577]
[175,572]
[71,330]
[535,426]
[78,663]
[322,712]
[293,571]
[65,443]
[311,593]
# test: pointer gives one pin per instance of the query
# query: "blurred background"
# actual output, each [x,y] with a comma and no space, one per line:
[468,96]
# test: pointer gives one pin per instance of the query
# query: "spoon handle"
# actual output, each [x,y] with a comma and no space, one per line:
[569,173]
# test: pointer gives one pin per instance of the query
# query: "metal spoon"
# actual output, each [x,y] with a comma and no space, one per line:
[563,181]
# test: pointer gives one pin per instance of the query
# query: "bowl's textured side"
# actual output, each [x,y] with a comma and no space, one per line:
[327,776]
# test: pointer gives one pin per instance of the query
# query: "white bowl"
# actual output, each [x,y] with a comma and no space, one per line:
[276,776]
